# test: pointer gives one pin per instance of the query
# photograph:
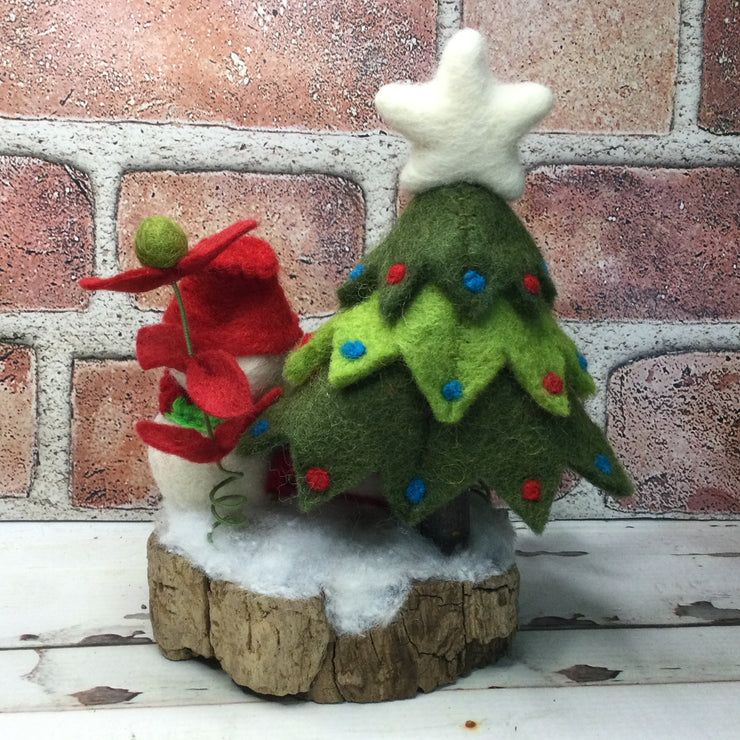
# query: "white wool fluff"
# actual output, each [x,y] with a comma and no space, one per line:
[359,559]
[185,484]
[464,125]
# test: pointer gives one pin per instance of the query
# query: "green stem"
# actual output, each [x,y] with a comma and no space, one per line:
[189,347]
[232,503]
[209,432]
[209,426]
[183,319]
[235,473]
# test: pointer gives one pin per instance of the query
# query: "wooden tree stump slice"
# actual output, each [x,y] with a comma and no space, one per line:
[279,646]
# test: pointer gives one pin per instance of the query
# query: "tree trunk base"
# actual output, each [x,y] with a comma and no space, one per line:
[282,647]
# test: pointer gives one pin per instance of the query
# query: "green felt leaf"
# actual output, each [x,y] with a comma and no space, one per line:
[358,288]
[381,425]
[593,454]
[440,350]
[441,236]
[529,303]
[189,415]
[506,439]
[362,343]
[535,352]
[374,426]
[577,378]
[303,361]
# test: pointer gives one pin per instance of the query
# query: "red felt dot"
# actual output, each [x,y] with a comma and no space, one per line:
[317,479]
[395,273]
[531,490]
[531,284]
[553,383]
[305,339]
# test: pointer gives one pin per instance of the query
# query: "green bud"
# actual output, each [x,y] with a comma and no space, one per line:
[160,242]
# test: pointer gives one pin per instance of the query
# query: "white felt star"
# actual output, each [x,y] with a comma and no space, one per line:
[464,125]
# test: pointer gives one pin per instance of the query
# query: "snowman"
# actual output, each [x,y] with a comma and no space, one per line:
[221,343]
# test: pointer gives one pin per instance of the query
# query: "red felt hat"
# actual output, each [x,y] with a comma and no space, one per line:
[235,304]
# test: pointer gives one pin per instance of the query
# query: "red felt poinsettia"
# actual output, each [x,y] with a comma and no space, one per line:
[235,304]
[213,378]
[143,279]
[192,445]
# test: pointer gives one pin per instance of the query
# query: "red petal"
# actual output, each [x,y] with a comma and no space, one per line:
[209,248]
[175,440]
[161,345]
[216,384]
[267,400]
[143,279]
[139,280]
[227,433]
[169,391]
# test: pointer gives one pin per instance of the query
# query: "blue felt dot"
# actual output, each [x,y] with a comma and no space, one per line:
[452,390]
[545,268]
[583,362]
[357,270]
[602,463]
[474,281]
[352,350]
[415,490]
[260,427]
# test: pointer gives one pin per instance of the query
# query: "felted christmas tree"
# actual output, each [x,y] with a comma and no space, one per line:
[444,367]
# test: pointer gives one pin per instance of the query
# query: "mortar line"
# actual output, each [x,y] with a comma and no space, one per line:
[688,65]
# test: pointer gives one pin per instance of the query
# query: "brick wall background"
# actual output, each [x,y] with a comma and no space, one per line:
[213,111]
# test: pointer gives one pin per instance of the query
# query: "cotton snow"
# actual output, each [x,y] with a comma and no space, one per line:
[360,560]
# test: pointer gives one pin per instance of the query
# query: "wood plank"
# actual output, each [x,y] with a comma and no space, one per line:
[594,712]
[70,582]
[659,655]
[627,573]
[67,582]
[65,678]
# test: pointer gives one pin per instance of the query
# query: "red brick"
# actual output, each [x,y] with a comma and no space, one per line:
[17,419]
[45,235]
[627,243]
[109,462]
[719,109]
[674,422]
[611,66]
[315,223]
[270,64]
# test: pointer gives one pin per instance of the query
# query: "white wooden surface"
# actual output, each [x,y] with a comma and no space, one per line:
[629,629]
